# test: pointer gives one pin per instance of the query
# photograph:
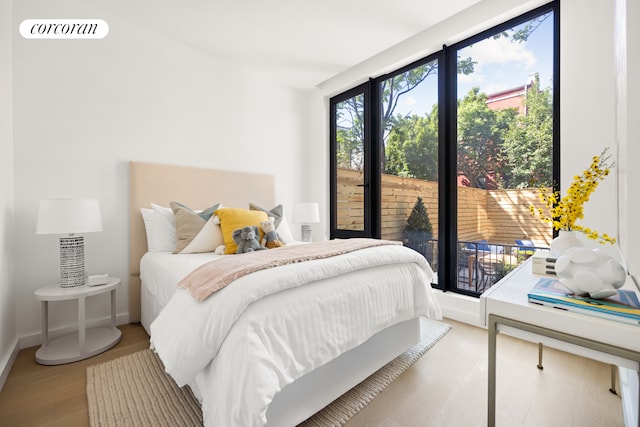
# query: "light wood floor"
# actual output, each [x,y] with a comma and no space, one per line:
[446,387]
[36,395]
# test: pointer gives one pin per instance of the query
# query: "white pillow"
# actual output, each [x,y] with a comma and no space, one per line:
[164,228]
[160,227]
[147,217]
[284,231]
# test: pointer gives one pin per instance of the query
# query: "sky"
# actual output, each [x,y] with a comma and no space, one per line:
[501,64]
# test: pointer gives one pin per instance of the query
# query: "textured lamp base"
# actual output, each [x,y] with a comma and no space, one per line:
[305,230]
[72,261]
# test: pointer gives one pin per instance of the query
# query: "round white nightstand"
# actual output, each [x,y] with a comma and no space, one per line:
[84,343]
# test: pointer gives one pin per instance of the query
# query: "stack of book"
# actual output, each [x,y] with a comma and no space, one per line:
[543,263]
[623,307]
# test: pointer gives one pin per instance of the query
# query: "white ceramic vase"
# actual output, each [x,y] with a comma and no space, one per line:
[565,240]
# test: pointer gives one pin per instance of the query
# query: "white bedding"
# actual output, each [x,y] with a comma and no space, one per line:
[161,271]
[245,343]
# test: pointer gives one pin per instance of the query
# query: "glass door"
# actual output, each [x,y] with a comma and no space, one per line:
[351,178]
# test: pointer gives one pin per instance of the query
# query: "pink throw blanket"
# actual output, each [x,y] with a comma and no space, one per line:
[215,275]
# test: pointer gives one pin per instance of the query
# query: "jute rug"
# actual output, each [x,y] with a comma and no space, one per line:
[134,391]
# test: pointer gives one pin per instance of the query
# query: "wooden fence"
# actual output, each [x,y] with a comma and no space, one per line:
[498,216]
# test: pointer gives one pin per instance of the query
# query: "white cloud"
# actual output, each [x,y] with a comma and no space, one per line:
[475,79]
[500,51]
[497,65]
[410,101]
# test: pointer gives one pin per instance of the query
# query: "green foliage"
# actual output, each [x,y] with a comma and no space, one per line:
[524,31]
[350,133]
[502,269]
[419,218]
[480,132]
[516,150]
[528,142]
[466,66]
[391,89]
[412,147]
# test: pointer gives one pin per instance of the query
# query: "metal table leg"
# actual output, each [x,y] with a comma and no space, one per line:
[491,396]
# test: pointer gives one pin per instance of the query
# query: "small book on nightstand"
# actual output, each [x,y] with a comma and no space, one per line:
[623,307]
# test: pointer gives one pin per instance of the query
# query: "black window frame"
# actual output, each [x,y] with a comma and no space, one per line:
[447,140]
[371,215]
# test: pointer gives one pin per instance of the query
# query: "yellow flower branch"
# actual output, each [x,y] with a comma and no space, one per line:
[565,211]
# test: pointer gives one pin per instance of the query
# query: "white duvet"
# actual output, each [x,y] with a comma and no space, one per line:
[246,342]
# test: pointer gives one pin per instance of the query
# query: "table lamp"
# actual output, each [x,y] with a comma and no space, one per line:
[307,214]
[70,217]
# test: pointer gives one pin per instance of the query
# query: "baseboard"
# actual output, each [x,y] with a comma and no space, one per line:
[459,307]
[7,363]
[35,339]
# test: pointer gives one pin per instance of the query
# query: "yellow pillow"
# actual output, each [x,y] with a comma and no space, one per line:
[232,219]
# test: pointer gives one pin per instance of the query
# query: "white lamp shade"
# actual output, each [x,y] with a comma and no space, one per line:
[67,216]
[306,213]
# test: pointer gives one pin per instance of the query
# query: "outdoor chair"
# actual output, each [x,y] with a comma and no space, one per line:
[489,274]
[480,246]
[463,264]
[525,247]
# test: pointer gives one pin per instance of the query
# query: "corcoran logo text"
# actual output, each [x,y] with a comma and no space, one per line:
[64,28]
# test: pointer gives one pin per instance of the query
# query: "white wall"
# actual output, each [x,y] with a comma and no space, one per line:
[627,65]
[84,108]
[587,103]
[315,172]
[8,335]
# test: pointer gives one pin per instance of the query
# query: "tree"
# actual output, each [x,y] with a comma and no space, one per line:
[350,120]
[412,147]
[394,87]
[528,143]
[522,34]
[418,230]
[391,89]
[480,131]
[350,133]
[419,218]
[395,159]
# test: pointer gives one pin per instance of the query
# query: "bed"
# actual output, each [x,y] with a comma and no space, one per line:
[295,349]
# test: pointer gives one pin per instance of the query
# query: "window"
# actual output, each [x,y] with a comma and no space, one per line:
[447,153]
[409,137]
[504,139]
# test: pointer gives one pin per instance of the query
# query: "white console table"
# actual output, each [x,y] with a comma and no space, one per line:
[84,343]
[505,308]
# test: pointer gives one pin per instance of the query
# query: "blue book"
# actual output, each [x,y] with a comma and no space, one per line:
[622,307]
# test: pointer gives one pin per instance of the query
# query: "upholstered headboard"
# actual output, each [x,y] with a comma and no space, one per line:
[195,187]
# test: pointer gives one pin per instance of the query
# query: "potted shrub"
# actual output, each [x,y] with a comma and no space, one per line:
[418,230]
